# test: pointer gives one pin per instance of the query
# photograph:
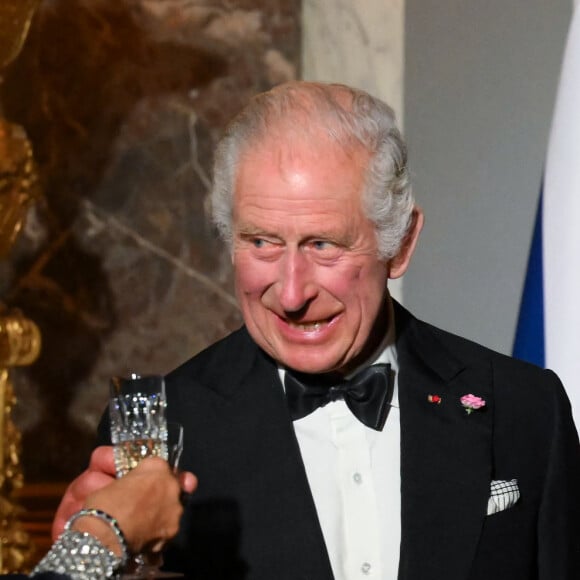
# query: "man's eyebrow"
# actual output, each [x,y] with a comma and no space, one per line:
[253,230]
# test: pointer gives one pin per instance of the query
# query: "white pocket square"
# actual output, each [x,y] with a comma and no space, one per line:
[504,494]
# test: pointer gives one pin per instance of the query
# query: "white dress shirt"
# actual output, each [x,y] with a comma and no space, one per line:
[354,476]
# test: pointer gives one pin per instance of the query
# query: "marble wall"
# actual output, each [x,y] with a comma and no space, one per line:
[357,42]
[123,101]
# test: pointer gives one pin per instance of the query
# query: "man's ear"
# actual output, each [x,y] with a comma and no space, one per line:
[399,264]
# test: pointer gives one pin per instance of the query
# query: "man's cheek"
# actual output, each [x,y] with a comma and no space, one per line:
[254,278]
[339,281]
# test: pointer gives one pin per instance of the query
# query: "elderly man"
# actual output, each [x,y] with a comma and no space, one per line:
[335,435]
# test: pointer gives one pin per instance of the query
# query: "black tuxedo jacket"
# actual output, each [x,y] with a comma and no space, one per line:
[253,515]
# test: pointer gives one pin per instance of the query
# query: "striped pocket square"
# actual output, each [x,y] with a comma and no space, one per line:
[504,494]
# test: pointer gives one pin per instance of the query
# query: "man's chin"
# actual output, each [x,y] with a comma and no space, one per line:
[305,358]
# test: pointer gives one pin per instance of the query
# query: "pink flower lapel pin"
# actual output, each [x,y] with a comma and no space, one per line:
[472,403]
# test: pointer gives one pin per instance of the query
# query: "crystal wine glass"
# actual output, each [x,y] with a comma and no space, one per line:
[139,429]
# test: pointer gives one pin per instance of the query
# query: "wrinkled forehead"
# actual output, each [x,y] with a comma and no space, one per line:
[301,170]
[289,144]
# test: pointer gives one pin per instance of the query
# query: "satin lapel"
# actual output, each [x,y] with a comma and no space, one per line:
[245,451]
[278,485]
[445,455]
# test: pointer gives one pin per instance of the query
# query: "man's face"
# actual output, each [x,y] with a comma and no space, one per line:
[308,279]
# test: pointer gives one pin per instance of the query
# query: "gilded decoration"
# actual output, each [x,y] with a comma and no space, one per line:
[19,336]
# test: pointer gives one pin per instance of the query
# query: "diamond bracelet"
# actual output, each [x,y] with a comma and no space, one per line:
[110,520]
[81,555]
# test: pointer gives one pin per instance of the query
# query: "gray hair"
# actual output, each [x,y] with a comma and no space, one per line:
[349,117]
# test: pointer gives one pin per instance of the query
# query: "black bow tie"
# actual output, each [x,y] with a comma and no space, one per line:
[367,394]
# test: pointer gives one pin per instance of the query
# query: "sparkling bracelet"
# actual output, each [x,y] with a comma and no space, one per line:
[111,521]
[80,556]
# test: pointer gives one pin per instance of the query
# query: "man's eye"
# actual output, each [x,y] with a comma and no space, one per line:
[325,250]
[322,245]
[259,242]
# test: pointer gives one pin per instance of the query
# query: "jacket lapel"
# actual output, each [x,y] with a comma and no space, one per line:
[250,474]
[277,486]
[445,454]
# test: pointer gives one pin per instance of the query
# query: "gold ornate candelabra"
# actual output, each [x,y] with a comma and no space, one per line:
[19,336]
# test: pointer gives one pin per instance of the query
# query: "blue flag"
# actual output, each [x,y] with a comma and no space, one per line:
[529,340]
[548,332]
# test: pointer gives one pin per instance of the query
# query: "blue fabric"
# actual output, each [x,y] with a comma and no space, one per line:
[529,339]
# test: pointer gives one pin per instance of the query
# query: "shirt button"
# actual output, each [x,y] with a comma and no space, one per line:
[366,568]
[357,477]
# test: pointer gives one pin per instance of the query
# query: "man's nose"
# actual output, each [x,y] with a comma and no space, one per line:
[297,285]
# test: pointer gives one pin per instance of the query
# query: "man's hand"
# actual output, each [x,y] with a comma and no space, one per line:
[101,472]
